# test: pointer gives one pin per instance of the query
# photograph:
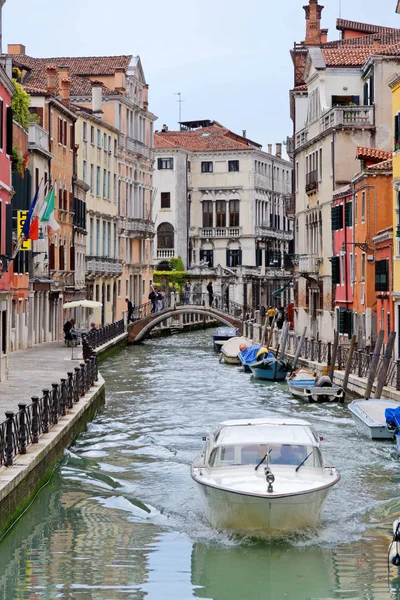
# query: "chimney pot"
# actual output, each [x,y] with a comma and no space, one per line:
[164,127]
[16,49]
[278,151]
[65,89]
[244,133]
[97,99]
[269,148]
[313,12]
[324,36]
[51,84]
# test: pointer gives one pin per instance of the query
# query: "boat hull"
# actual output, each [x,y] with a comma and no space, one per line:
[231,360]
[372,426]
[272,516]
[271,372]
[309,394]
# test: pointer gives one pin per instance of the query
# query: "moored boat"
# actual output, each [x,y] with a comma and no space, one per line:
[267,366]
[248,356]
[369,417]
[264,476]
[222,334]
[231,348]
[305,385]
[392,416]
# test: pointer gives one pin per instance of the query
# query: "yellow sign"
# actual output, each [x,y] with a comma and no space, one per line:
[21,218]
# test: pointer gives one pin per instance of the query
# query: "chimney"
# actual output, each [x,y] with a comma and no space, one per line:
[120,79]
[51,73]
[269,148]
[97,99]
[313,23]
[63,73]
[145,96]
[278,150]
[164,128]
[65,89]
[244,133]
[16,49]
[324,36]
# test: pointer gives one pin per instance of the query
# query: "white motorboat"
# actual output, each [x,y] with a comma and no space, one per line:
[305,385]
[369,417]
[231,348]
[263,476]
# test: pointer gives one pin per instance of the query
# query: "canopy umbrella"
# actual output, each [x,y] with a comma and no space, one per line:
[83,304]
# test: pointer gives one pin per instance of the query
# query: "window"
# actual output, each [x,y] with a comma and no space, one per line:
[104,183]
[165,200]
[207,256]
[337,217]
[84,131]
[108,185]
[342,269]
[221,213]
[71,137]
[91,134]
[345,321]
[99,138]
[363,207]
[104,246]
[234,213]
[259,254]
[165,163]
[97,237]
[98,181]
[233,257]
[91,179]
[233,165]
[382,276]
[109,143]
[84,174]
[207,213]
[363,263]
[91,231]
[105,142]
[335,270]
[206,167]
[345,101]
[165,236]
[348,214]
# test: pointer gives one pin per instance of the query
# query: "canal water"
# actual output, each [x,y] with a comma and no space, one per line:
[122,519]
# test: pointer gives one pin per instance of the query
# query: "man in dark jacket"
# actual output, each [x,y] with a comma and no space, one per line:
[131,308]
[210,293]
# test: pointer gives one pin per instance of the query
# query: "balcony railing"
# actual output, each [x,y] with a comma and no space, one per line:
[165,253]
[220,232]
[311,181]
[271,232]
[290,204]
[38,137]
[348,116]
[137,147]
[308,264]
[97,265]
[136,226]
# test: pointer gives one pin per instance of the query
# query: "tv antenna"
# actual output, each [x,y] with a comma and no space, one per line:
[180,105]
[340,9]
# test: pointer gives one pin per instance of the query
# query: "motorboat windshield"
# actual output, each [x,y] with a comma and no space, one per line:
[277,454]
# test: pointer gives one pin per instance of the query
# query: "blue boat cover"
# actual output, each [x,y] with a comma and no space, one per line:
[248,356]
[392,415]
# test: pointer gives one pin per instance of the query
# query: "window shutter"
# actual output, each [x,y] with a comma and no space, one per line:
[9,133]
[228,258]
[1,124]
[342,321]
[372,89]
[396,131]
[365,94]
[240,257]
[9,226]
[335,270]
[65,133]
[159,163]
[258,257]
[348,214]
[378,276]
[267,258]
[334,218]
[202,255]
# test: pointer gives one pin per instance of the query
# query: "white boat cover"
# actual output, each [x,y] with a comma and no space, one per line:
[231,348]
[272,433]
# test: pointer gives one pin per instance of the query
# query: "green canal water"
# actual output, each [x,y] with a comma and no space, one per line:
[122,519]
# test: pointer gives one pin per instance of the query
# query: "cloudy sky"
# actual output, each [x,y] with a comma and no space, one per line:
[228,58]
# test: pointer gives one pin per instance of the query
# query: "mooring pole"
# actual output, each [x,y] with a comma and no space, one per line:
[334,352]
[349,361]
[298,351]
[385,365]
[374,364]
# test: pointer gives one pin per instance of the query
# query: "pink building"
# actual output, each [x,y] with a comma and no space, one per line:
[342,230]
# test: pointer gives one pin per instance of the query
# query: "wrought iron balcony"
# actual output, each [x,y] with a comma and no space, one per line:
[312,181]
[220,232]
[265,231]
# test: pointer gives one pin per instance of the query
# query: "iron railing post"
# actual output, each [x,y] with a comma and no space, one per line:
[9,439]
[46,414]
[22,428]
[35,419]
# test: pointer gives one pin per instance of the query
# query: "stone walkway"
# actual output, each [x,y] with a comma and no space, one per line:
[32,370]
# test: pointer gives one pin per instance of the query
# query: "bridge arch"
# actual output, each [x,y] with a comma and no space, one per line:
[139,329]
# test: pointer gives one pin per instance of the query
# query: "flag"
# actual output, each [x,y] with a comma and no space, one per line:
[48,217]
[38,213]
[27,224]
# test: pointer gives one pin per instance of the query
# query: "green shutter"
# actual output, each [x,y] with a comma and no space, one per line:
[333,218]
[378,276]
[335,270]
[342,321]
[348,214]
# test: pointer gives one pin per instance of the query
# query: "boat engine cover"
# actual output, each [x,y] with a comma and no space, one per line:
[323,381]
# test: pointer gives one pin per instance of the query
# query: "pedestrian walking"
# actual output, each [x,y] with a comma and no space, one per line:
[270,315]
[210,293]
[160,301]
[153,299]
[131,308]
[68,327]
[186,292]
[262,314]
[280,317]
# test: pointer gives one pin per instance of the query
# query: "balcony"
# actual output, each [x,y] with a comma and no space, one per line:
[309,264]
[38,139]
[290,205]
[359,117]
[264,231]
[165,253]
[137,147]
[136,227]
[97,265]
[220,232]
[311,182]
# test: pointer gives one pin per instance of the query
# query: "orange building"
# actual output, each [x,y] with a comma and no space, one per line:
[372,193]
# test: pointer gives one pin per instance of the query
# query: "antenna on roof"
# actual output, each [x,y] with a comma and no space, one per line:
[340,9]
[180,106]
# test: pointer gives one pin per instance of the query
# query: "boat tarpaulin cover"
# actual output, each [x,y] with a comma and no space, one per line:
[248,356]
[392,415]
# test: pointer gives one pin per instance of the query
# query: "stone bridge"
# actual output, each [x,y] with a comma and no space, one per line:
[140,328]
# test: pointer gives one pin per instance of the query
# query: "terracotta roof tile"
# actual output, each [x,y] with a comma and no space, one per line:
[364,152]
[206,139]
[342,24]
[385,165]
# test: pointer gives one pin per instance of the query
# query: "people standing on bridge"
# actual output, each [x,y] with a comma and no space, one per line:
[131,308]
[270,314]
[280,316]
[210,293]
[262,314]
[153,299]
[186,292]
[160,301]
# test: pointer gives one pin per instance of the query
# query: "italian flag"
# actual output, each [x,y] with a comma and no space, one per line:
[46,214]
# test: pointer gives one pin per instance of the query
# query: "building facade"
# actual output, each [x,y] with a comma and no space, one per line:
[219,195]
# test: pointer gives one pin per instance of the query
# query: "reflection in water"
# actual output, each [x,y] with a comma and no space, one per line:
[121,517]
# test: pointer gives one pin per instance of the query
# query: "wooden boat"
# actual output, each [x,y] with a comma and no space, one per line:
[267,366]
[248,356]
[369,417]
[222,334]
[392,416]
[285,495]
[305,385]
[231,348]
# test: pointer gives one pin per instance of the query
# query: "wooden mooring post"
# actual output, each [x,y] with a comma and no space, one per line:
[349,361]
[374,364]
[334,353]
[385,365]
[298,351]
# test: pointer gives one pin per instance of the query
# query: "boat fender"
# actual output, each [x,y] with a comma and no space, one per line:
[394,548]
[323,381]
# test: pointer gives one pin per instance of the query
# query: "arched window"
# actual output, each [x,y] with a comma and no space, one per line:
[165,236]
